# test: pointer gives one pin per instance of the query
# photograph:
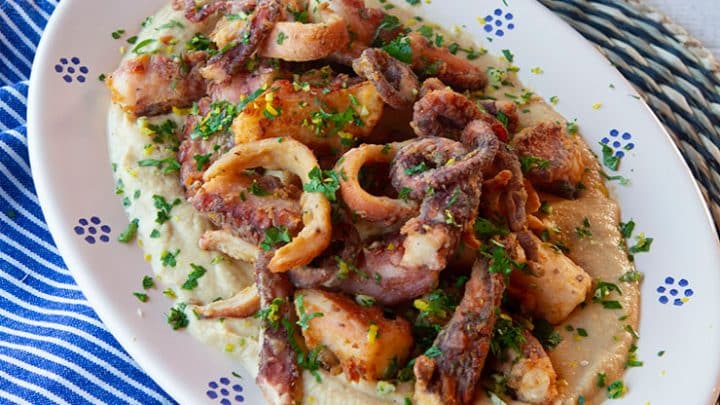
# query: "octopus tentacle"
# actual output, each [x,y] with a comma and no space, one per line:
[452,376]
[395,81]
[279,376]
[224,65]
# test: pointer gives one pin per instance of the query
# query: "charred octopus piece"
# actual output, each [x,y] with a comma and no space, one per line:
[395,81]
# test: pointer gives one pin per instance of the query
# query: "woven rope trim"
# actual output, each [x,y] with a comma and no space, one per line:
[677,77]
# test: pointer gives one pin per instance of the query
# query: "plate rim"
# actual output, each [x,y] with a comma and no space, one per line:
[154,370]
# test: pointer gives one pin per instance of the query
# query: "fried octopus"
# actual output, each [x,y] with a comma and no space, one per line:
[250,175]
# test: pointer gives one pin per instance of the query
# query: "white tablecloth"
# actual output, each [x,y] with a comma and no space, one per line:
[701,18]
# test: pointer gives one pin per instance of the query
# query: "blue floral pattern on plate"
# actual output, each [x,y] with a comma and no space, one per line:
[92,230]
[676,291]
[225,392]
[71,69]
[498,22]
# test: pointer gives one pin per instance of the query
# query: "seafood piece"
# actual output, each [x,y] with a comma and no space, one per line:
[529,372]
[504,196]
[196,12]
[436,163]
[226,242]
[246,42]
[241,305]
[279,376]
[365,342]
[152,84]
[508,109]
[446,113]
[299,42]
[395,81]
[296,158]
[327,122]
[451,69]
[244,83]
[451,374]
[554,286]
[555,159]
[372,208]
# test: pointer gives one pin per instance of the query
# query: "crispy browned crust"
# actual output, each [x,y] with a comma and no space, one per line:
[452,376]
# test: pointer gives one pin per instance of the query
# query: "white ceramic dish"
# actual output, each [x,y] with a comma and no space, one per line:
[68,151]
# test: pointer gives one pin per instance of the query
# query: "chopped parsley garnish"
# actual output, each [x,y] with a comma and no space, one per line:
[365,300]
[642,245]
[572,127]
[603,289]
[600,381]
[280,38]
[132,40]
[130,231]
[433,352]
[554,100]
[148,282]
[546,334]
[485,228]
[418,168]
[308,361]
[256,189]
[326,182]
[581,332]
[506,335]
[453,48]
[611,304]
[192,280]
[164,208]
[102,77]
[610,160]
[117,34]
[426,31]
[438,305]
[271,313]
[502,118]
[496,76]
[169,258]
[154,234]
[304,317]
[616,389]
[624,181]
[500,262]
[201,160]
[177,318]
[508,55]
[239,16]
[626,228]
[631,276]
[141,296]
[403,194]
[413,2]
[275,235]
[389,23]
[221,115]
[138,49]
[344,269]
[168,292]
[400,49]
[339,120]
[167,165]
[530,162]
[299,16]
[199,42]
[583,231]
[170,24]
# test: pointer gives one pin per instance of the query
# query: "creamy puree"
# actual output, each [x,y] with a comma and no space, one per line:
[576,360]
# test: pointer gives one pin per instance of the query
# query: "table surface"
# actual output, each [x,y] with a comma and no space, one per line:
[699,17]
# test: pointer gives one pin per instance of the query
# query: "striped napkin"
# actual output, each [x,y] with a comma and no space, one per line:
[53,347]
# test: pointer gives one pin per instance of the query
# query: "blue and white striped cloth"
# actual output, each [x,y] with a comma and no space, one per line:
[53,347]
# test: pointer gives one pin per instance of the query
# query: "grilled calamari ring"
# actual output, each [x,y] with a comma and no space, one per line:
[300,42]
[293,156]
[395,81]
[370,207]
